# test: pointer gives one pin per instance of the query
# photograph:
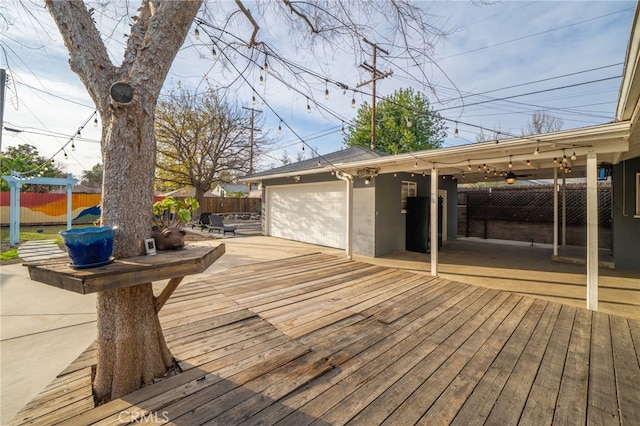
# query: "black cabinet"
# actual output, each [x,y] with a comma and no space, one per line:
[417,227]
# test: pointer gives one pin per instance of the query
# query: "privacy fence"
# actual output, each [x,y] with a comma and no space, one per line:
[51,208]
[526,214]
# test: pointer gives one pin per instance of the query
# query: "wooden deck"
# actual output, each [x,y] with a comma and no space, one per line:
[323,340]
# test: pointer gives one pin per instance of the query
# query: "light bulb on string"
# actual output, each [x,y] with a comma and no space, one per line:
[73,146]
[353,100]
[326,90]
[214,54]
[78,134]
[573,156]
[455,132]
[510,163]
[409,123]
[261,79]
[95,122]
[308,107]
[537,151]
[65,154]
[342,129]
[253,99]
[265,67]
[280,127]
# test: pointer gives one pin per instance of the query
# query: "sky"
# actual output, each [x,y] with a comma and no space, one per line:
[496,65]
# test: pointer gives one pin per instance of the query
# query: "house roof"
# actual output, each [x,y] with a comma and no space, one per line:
[234,187]
[608,141]
[321,163]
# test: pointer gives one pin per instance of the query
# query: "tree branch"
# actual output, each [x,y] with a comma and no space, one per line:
[256,27]
[87,53]
[302,16]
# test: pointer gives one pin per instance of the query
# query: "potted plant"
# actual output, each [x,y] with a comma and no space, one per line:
[89,247]
[169,215]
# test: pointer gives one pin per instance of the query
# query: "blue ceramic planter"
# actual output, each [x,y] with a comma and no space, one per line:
[89,247]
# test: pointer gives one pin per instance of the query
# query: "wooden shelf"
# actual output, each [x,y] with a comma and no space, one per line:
[192,259]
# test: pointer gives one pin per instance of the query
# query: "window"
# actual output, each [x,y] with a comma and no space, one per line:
[409,189]
[637,195]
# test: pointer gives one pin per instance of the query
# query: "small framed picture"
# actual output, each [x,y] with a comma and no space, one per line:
[150,246]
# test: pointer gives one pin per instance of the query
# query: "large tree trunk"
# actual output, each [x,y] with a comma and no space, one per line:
[131,347]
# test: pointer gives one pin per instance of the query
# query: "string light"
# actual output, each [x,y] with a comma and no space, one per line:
[261,79]
[510,163]
[78,134]
[196,34]
[280,127]
[342,129]
[214,53]
[455,132]
[573,156]
[308,107]
[253,99]
[73,146]
[65,154]
[469,165]
[265,67]
[528,163]
[326,89]
[409,123]
[537,151]
[95,122]
[353,100]
[555,160]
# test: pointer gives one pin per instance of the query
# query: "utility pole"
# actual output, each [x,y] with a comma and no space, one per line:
[375,76]
[253,111]
[3,81]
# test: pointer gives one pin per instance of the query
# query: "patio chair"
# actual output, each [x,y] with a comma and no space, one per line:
[216,223]
[202,222]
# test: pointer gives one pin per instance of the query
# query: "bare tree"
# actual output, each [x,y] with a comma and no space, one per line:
[203,140]
[543,122]
[131,347]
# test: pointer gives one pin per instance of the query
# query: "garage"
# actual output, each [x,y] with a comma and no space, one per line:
[311,213]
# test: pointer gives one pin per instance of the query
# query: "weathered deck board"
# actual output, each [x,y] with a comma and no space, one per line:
[319,339]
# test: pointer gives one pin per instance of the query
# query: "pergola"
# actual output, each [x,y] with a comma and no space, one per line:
[16,181]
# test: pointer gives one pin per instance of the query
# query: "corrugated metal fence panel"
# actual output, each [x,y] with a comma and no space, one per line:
[51,208]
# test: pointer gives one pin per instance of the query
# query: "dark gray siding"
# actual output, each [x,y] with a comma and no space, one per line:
[626,227]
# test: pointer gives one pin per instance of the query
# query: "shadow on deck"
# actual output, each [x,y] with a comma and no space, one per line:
[317,338]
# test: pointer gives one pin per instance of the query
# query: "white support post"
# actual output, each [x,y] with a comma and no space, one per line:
[433,240]
[349,218]
[592,231]
[564,209]
[555,211]
[349,237]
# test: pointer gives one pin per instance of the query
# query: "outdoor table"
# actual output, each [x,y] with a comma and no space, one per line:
[173,265]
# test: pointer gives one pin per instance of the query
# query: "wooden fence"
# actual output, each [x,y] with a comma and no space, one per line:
[229,205]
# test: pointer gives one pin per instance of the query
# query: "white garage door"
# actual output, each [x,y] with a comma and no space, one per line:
[312,213]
